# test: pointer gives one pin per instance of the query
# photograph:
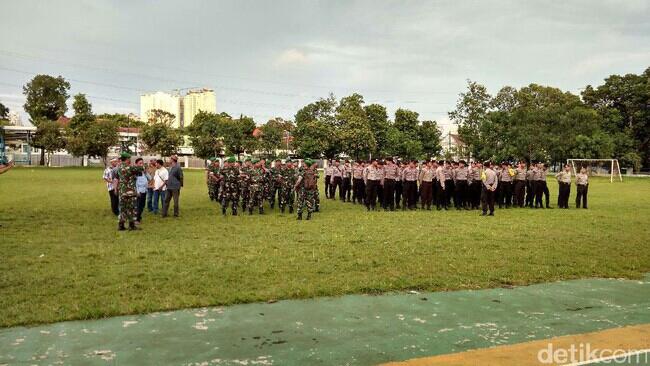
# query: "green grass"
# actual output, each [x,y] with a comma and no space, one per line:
[61,257]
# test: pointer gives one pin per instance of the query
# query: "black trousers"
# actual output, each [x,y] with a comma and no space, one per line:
[461,194]
[449,190]
[520,191]
[410,193]
[441,196]
[564,192]
[539,191]
[346,189]
[171,193]
[426,194]
[371,193]
[336,183]
[142,200]
[475,194]
[582,194]
[399,191]
[530,193]
[358,190]
[505,194]
[327,185]
[389,194]
[115,202]
[380,195]
[487,200]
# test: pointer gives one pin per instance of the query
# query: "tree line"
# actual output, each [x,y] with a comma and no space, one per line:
[534,122]
[544,123]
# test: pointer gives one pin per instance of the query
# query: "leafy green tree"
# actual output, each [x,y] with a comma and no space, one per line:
[4,112]
[316,131]
[238,135]
[121,120]
[379,124]
[207,134]
[471,111]
[273,134]
[623,103]
[159,136]
[407,122]
[354,131]
[429,136]
[45,100]
[49,138]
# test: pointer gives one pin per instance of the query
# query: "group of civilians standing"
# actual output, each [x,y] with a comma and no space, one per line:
[156,186]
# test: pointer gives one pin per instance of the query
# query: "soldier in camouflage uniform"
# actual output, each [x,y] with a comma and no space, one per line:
[307,188]
[245,182]
[256,187]
[288,180]
[128,196]
[229,182]
[267,180]
[275,182]
[213,179]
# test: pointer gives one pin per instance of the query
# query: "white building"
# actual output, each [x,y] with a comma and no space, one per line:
[172,103]
[198,100]
[184,108]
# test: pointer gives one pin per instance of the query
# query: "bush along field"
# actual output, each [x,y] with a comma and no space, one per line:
[62,258]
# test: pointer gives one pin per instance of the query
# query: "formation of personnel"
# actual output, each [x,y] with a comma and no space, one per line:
[445,184]
[252,183]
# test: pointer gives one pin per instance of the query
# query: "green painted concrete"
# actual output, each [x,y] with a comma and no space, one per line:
[349,330]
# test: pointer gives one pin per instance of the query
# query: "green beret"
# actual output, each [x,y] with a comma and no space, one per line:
[255,161]
[248,159]
[309,162]
[125,155]
[288,161]
[232,159]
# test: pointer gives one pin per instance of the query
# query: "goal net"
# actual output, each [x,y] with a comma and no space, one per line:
[597,167]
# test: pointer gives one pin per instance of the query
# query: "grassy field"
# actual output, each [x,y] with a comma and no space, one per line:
[61,257]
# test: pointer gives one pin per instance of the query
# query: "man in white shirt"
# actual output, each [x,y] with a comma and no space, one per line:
[160,178]
[109,178]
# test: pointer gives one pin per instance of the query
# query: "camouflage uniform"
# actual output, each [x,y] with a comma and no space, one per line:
[128,195]
[275,184]
[307,197]
[244,186]
[256,189]
[229,190]
[286,194]
[213,182]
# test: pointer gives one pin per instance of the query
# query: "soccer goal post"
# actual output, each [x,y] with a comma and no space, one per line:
[597,167]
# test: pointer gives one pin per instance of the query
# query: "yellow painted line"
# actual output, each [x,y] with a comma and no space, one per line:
[607,343]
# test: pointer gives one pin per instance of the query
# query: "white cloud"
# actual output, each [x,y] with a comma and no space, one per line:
[291,56]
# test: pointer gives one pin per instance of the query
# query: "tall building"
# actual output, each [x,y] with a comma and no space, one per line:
[172,103]
[184,108]
[198,100]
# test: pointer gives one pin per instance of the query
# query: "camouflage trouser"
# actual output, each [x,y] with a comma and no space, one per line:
[267,191]
[285,196]
[306,198]
[231,197]
[257,196]
[128,208]
[245,197]
[274,190]
[212,191]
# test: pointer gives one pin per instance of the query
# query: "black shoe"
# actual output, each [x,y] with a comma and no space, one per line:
[491,214]
[121,226]
[484,214]
[132,226]
[308,215]
[299,216]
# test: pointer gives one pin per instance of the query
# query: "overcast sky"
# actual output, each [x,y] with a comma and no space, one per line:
[269,58]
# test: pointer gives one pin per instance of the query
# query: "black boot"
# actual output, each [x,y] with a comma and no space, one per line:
[261,210]
[223,211]
[290,209]
[120,226]
[299,216]
[250,210]
[282,209]
[132,226]
[308,215]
